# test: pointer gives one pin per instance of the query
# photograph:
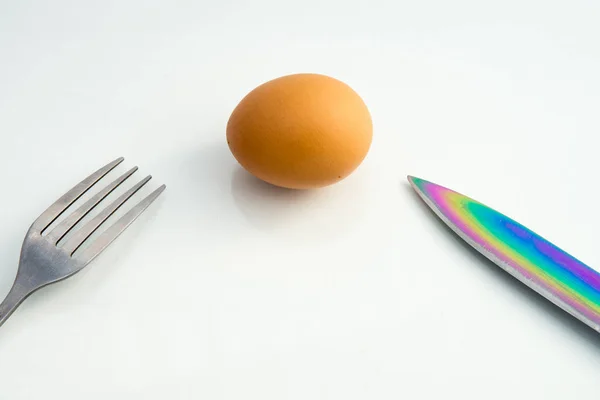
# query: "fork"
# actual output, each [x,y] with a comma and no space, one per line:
[44,260]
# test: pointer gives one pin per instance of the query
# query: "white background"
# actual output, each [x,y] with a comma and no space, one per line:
[230,289]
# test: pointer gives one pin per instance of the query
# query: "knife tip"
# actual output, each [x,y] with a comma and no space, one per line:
[416,182]
[412,179]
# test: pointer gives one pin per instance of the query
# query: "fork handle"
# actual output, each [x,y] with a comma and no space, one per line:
[13,299]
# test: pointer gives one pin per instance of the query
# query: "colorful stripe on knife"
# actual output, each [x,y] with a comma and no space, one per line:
[556,275]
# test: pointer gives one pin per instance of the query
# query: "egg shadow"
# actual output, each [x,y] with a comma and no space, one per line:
[571,324]
[311,213]
[264,205]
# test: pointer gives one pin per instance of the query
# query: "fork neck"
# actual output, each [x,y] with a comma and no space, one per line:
[13,299]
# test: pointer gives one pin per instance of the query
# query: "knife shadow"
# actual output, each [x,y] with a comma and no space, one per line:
[570,323]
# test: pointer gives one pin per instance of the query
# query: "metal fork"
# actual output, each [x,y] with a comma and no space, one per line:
[44,261]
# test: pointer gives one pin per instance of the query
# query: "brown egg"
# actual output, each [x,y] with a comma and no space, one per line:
[300,131]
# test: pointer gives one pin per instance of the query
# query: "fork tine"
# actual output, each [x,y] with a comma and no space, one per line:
[73,243]
[65,226]
[108,236]
[56,209]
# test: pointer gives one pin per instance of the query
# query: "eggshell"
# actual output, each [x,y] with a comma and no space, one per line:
[300,131]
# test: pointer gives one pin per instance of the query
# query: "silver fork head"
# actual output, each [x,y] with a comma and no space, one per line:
[44,260]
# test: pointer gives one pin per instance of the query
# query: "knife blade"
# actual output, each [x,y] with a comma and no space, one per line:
[531,259]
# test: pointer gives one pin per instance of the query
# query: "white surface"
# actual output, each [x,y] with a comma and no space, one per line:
[230,289]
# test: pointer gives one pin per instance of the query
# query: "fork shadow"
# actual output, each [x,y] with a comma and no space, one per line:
[571,324]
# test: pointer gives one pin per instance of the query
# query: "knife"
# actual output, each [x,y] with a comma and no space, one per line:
[533,260]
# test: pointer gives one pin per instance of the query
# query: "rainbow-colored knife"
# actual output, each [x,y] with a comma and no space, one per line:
[550,271]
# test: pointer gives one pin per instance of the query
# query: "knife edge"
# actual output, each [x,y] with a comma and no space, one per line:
[566,281]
